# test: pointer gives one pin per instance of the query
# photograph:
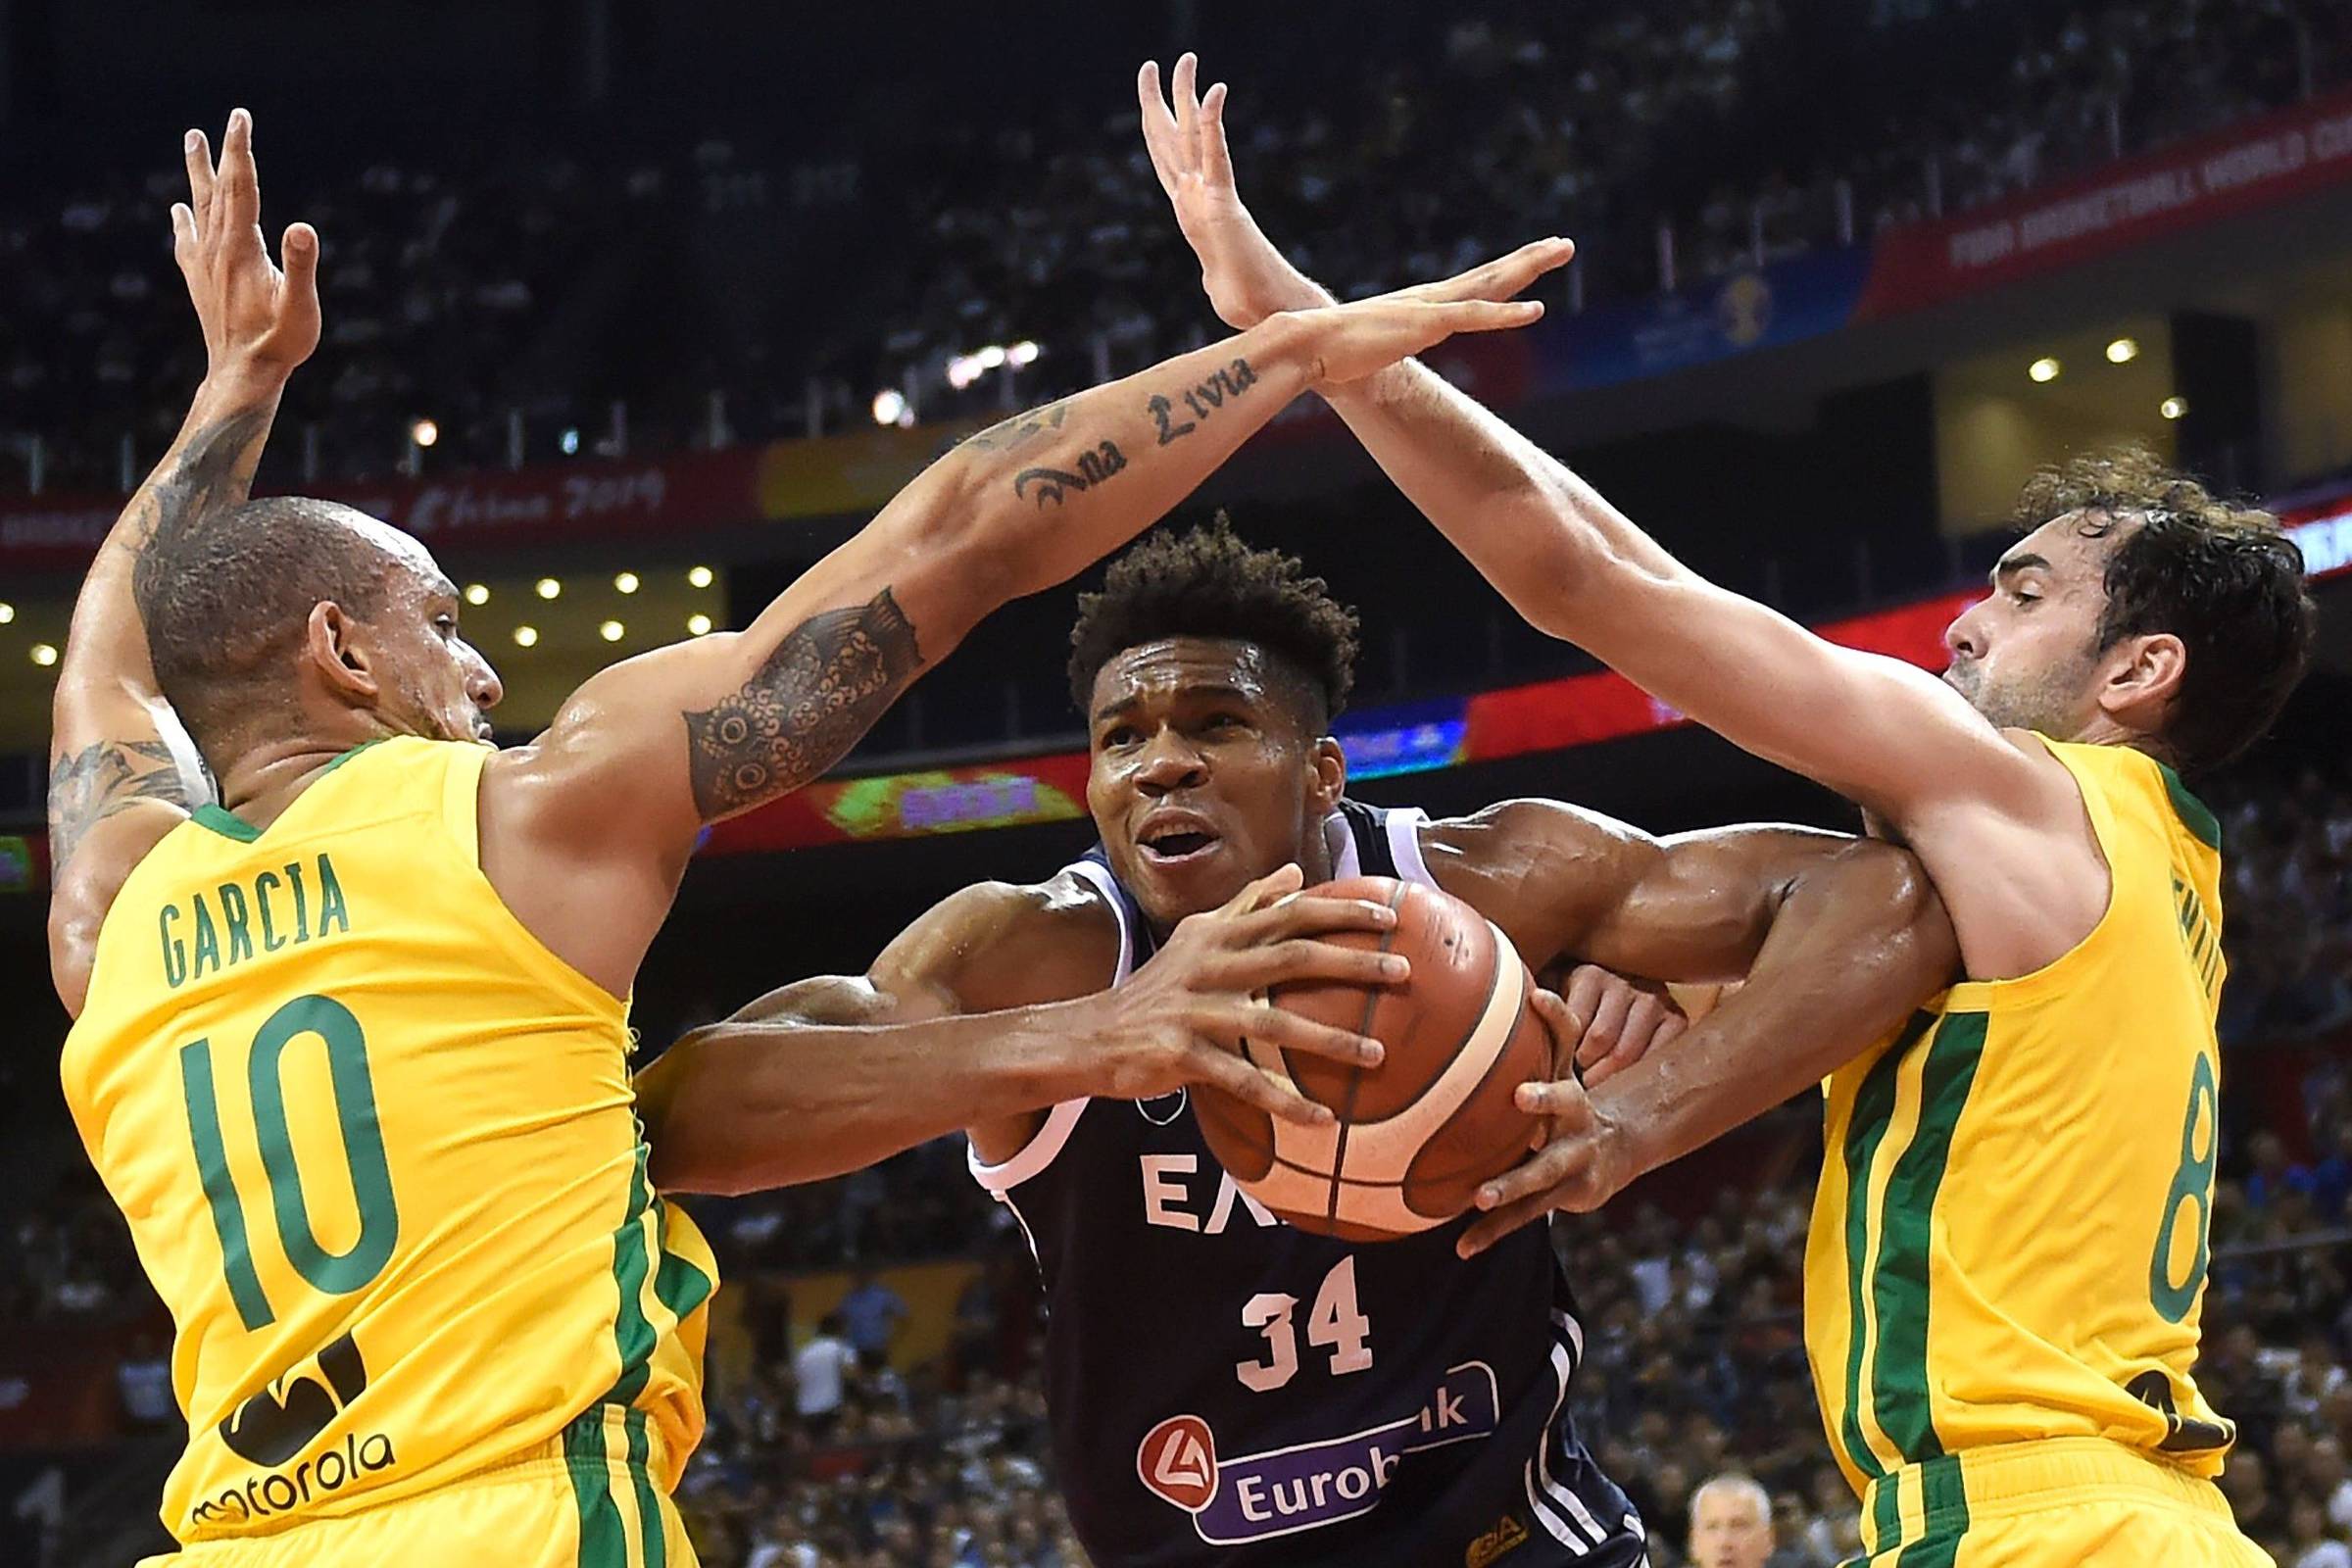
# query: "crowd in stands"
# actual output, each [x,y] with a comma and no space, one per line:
[503,290]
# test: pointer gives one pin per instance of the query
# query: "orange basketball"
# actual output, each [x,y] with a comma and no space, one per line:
[1417,1134]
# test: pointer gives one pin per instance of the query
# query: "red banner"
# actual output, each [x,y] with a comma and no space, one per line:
[1583,708]
[2250,164]
[552,501]
[1549,715]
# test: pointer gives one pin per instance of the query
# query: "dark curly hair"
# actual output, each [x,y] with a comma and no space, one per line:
[2222,577]
[1206,583]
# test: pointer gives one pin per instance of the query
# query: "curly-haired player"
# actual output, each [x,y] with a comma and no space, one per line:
[1225,1389]
[2008,1252]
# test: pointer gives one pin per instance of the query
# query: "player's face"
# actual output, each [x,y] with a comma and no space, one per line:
[1205,774]
[1727,1530]
[431,680]
[2028,657]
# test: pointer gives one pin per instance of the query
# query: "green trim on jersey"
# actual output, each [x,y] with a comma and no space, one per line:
[1866,1129]
[2194,814]
[1899,1273]
[220,821]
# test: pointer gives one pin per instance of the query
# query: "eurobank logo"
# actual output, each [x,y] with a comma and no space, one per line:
[282,1419]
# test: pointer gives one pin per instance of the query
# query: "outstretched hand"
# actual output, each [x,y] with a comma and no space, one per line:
[258,321]
[1247,279]
[1359,339]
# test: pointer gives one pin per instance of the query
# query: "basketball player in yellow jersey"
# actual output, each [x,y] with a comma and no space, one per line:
[351,1052]
[2009,1246]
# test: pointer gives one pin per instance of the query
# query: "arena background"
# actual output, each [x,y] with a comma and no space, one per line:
[656,304]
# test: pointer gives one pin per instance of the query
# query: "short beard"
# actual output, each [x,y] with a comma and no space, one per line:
[2044,701]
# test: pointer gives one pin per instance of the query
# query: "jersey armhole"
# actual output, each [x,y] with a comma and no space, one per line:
[1405,827]
[1033,1156]
[462,802]
[1036,1154]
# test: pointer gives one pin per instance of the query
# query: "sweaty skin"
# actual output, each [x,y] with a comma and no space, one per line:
[1203,776]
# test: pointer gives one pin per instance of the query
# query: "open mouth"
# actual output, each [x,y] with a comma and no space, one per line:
[1176,845]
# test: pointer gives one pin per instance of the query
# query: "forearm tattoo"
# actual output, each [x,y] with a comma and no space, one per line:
[211,478]
[1200,401]
[827,682]
[1010,435]
[88,786]
[1092,468]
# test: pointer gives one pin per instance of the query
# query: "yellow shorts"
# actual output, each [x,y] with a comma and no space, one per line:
[586,1500]
[2055,1503]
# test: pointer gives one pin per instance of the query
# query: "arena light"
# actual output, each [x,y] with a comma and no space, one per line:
[1022,353]
[526,636]
[477,593]
[43,654]
[611,631]
[569,442]
[963,369]
[991,357]
[548,587]
[2044,369]
[699,576]
[2173,407]
[698,625]
[625,583]
[8,612]
[425,432]
[889,404]
[2122,351]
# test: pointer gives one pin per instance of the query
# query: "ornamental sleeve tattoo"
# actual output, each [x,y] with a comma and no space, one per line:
[827,682]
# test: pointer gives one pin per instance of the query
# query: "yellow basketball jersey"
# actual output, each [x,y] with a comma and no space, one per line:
[2009,1240]
[380,1155]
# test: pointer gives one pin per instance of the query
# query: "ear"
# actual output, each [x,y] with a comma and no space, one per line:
[2144,677]
[1329,765]
[337,657]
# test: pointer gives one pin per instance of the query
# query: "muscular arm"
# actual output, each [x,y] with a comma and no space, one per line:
[832,1073]
[1838,940]
[718,725]
[122,771]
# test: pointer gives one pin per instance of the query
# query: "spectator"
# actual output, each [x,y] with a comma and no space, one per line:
[871,1312]
[820,1373]
[1730,1523]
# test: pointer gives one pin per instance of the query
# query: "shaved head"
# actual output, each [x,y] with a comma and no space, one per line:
[225,600]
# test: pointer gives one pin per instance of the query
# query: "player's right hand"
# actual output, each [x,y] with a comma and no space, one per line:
[258,321]
[1182,1018]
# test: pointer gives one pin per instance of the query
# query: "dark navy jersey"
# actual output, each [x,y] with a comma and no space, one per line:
[1226,1390]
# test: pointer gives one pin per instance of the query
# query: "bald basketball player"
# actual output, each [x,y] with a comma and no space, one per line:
[1225,1389]
[2008,1257]
[352,1041]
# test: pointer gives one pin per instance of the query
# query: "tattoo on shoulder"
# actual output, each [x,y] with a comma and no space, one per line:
[827,682]
[1201,400]
[1021,430]
[88,786]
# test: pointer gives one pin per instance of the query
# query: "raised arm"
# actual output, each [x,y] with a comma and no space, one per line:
[988,1009]
[1837,939]
[122,771]
[712,727]
[1873,728]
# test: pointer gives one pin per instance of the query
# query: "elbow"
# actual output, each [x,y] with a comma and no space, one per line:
[1916,950]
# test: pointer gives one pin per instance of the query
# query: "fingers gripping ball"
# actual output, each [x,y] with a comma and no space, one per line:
[1416,1135]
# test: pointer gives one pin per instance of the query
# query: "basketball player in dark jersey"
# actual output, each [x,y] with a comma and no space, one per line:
[1224,1389]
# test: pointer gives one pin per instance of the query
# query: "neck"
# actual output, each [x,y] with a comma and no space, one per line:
[266,778]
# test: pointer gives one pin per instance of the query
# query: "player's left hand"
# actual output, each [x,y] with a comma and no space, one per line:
[259,322]
[1603,1024]
[1247,279]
